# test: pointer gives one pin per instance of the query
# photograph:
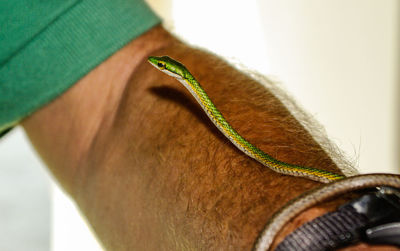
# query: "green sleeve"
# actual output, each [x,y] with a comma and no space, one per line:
[48,45]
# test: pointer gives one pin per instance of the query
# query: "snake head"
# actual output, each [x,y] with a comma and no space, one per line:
[169,66]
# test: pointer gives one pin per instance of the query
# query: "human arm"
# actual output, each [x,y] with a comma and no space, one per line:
[147,167]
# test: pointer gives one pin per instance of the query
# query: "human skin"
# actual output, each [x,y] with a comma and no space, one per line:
[151,172]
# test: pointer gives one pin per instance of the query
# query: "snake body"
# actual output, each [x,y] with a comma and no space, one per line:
[179,71]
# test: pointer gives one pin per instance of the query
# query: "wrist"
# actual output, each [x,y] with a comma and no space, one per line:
[352,218]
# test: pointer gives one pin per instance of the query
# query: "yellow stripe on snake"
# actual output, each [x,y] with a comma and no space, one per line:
[179,71]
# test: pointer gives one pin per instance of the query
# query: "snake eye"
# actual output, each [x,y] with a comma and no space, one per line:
[161,65]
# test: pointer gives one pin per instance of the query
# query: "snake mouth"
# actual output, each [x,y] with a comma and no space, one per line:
[170,73]
[153,61]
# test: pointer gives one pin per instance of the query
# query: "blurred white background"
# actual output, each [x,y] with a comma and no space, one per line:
[338,58]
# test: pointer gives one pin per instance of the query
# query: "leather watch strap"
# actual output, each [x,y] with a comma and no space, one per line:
[327,232]
[353,222]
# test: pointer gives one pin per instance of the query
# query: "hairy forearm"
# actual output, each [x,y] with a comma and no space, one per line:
[152,172]
[174,164]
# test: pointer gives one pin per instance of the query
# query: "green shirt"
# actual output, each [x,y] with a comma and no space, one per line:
[48,45]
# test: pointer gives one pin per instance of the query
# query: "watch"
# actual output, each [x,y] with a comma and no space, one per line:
[372,218]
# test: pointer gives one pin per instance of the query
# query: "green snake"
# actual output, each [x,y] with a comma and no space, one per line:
[179,71]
